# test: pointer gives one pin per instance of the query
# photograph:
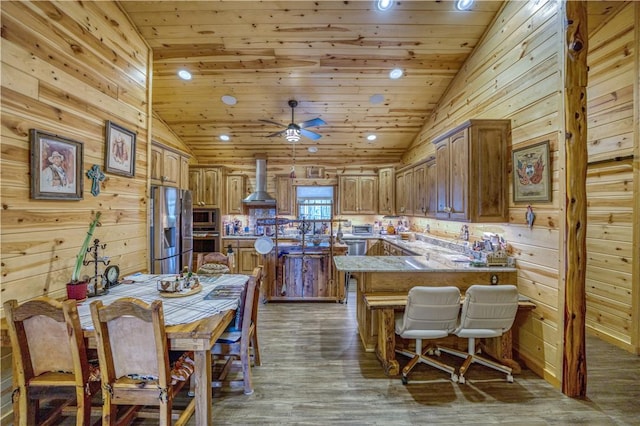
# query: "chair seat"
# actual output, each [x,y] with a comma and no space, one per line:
[478,333]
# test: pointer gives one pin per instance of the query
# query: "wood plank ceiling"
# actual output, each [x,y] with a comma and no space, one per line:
[330,56]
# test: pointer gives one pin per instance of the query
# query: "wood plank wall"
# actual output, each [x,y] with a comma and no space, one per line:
[514,73]
[67,67]
[613,212]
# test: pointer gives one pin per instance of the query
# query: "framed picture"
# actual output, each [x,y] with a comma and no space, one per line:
[532,173]
[56,167]
[120,157]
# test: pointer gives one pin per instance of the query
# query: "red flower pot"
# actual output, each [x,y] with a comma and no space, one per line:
[77,290]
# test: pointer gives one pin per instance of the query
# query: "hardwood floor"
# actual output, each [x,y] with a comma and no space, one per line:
[315,372]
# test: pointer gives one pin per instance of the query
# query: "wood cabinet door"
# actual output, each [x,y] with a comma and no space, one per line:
[431,189]
[184,173]
[442,180]
[284,195]
[400,193]
[459,175]
[348,186]
[386,186]
[171,168]
[195,186]
[155,164]
[211,187]
[419,190]
[367,198]
[235,193]
[247,260]
[408,193]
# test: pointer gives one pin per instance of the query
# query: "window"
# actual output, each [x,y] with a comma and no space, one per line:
[315,202]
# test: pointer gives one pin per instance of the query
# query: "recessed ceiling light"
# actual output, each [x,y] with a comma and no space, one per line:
[184,74]
[371,137]
[464,4]
[376,99]
[384,4]
[229,100]
[395,73]
[225,138]
[312,149]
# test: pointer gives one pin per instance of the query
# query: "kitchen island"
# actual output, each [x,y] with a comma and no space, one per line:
[395,275]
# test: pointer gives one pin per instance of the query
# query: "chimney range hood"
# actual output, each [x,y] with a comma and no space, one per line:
[260,197]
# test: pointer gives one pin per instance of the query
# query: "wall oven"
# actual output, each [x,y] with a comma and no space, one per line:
[206,231]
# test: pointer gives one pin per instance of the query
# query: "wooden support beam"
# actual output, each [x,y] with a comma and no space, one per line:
[574,362]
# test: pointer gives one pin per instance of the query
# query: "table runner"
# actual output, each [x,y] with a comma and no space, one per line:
[180,310]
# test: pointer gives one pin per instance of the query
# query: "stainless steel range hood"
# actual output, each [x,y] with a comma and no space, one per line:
[260,197]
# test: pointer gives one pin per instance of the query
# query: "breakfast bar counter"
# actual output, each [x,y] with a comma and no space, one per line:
[397,274]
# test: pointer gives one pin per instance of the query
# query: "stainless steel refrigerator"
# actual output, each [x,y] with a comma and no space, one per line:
[171,230]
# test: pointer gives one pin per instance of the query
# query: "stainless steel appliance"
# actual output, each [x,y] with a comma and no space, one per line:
[171,230]
[356,247]
[206,230]
[362,230]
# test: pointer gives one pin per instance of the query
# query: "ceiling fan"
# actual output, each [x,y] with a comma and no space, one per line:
[293,131]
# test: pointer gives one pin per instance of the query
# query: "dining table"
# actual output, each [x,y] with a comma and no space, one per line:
[194,320]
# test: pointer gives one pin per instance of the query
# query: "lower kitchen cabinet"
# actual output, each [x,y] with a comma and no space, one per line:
[309,276]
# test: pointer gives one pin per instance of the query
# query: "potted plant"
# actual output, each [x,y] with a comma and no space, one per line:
[77,289]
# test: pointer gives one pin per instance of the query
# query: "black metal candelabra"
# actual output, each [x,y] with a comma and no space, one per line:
[93,251]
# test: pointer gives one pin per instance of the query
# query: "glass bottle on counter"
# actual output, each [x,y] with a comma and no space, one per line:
[391,230]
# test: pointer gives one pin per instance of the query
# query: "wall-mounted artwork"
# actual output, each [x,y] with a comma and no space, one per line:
[532,173]
[56,167]
[120,157]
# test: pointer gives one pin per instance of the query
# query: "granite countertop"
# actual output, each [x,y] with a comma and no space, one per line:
[436,262]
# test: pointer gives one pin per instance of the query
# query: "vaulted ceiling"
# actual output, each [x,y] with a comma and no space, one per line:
[330,56]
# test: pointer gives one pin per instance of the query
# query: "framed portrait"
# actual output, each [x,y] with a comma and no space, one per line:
[120,157]
[532,173]
[56,167]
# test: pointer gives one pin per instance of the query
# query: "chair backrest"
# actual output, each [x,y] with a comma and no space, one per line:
[131,340]
[257,277]
[489,307]
[46,335]
[214,257]
[431,308]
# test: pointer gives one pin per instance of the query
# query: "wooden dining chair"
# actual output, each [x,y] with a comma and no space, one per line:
[212,263]
[49,360]
[234,346]
[134,361]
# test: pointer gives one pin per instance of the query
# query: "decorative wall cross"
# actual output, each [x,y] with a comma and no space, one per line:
[95,174]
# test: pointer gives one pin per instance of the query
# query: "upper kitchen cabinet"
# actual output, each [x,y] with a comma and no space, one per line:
[404,192]
[386,190]
[236,191]
[358,194]
[284,195]
[205,184]
[471,172]
[165,166]
[419,190]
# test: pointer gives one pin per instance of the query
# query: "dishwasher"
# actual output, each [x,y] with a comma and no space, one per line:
[355,247]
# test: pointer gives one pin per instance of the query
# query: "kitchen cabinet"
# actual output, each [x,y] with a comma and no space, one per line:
[386,191]
[236,192]
[358,194]
[205,184]
[164,166]
[424,189]
[184,173]
[285,196]
[375,247]
[307,277]
[471,172]
[245,256]
[404,192]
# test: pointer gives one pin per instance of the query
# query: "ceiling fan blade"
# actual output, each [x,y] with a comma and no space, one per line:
[274,122]
[309,134]
[312,123]
[280,133]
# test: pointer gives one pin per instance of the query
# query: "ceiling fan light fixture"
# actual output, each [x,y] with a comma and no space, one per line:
[395,73]
[464,4]
[184,74]
[292,135]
